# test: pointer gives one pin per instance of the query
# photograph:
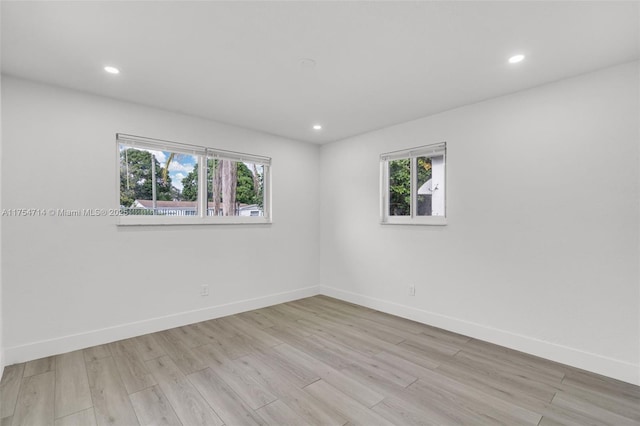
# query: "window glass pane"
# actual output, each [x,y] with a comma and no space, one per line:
[152,182]
[400,187]
[430,186]
[235,188]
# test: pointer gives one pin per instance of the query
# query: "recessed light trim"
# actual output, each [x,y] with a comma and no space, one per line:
[317,127]
[307,63]
[516,58]
[111,70]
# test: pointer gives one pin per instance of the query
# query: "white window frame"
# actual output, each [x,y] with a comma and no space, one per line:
[433,150]
[203,154]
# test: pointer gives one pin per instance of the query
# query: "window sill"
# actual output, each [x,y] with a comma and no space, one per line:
[423,220]
[170,221]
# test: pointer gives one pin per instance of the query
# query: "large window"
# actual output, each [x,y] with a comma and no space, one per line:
[413,186]
[163,182]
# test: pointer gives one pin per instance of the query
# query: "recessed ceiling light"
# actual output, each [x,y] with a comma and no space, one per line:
[317,127]
[516,58]
[112,70]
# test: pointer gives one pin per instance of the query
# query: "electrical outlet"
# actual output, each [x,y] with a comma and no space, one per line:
[412,290]
[204,290]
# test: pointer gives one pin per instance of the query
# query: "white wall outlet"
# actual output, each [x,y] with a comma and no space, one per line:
[204,290]
[412,290]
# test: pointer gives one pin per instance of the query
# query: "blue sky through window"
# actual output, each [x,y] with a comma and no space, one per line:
[180,167]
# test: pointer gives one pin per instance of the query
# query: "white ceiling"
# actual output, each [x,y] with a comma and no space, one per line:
[377,63]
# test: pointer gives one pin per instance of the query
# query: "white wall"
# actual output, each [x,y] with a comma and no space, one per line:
[541,248]
[1,317]
[70,282]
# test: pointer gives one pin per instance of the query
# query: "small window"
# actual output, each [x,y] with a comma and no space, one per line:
[164,183]
[413,186]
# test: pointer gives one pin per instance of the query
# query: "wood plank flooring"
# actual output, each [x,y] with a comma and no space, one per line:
[315,361]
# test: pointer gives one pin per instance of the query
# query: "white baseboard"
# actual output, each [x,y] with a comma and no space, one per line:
[617,369]
[609,367]
[1,363]
[74,342]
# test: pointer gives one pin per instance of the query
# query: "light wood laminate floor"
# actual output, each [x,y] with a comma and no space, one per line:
[315,361]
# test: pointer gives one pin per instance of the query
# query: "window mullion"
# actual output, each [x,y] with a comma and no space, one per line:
[203,195]
[412,188]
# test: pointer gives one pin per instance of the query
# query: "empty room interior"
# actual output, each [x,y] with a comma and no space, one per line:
[320,213]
